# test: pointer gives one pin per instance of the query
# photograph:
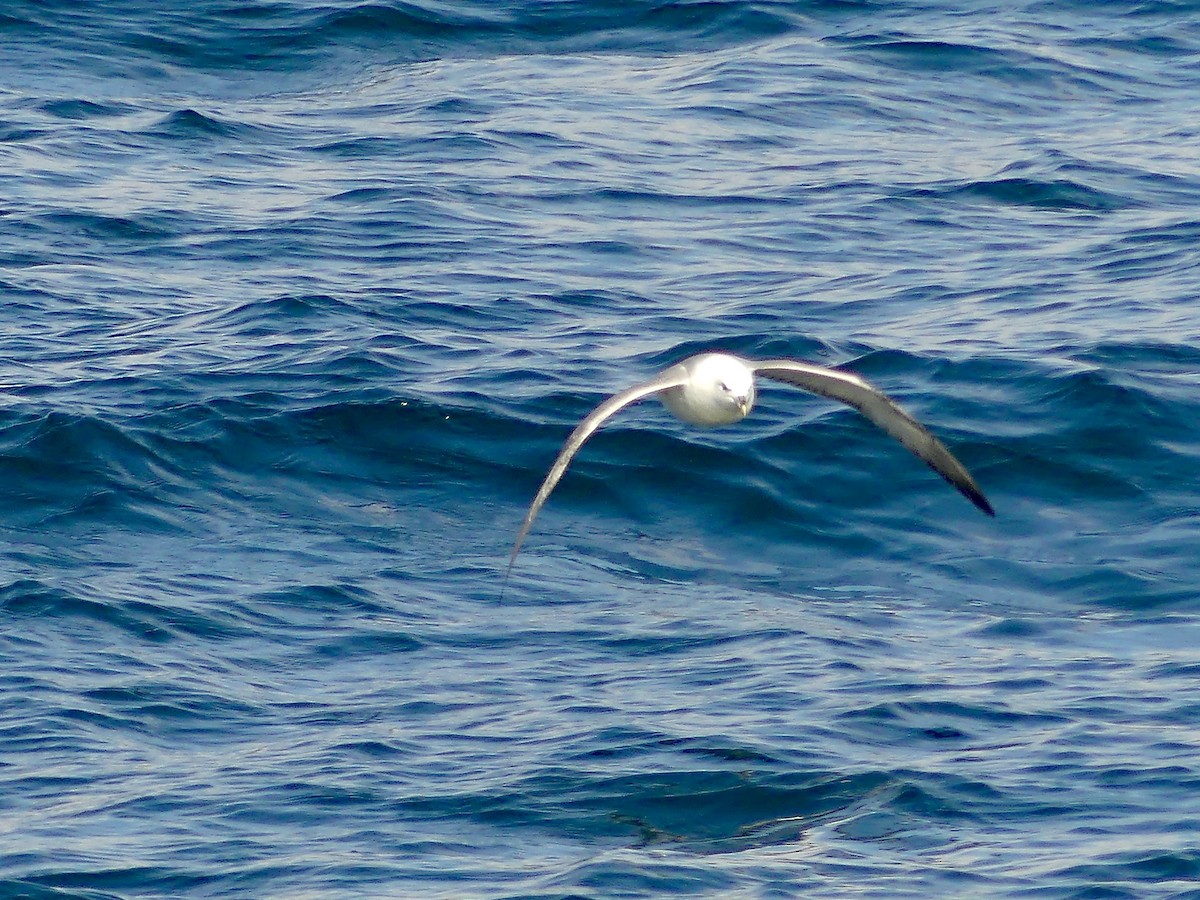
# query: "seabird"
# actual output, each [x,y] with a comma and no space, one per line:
[712,389]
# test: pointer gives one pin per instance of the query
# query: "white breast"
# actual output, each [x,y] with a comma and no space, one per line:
[711,395]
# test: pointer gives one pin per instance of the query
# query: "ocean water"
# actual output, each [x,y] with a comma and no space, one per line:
[298,301]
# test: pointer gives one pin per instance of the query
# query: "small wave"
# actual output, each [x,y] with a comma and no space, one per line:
[934,55]
[518,28]
[63,467]
[190,123]
[1054,194]
[282,38]
[143,229]
[38,599]
[79,109]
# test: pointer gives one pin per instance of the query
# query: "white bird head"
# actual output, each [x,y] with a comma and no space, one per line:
[719,390]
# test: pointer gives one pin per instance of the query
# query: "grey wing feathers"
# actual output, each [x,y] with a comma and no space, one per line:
[672,377]
[850,389]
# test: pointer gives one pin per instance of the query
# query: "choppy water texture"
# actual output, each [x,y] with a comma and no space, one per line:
[299,300]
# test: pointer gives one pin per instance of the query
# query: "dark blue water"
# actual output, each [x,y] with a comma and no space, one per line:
[298,301]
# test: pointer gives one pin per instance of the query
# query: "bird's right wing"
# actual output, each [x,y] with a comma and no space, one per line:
[668,378]
[850,389]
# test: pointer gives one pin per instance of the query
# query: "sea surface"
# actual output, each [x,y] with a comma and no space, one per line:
[299,300]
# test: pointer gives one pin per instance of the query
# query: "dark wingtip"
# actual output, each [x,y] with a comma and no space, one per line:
[976,497]
[965,485]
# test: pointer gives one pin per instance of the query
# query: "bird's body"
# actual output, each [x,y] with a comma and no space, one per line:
[713,389]
[719,390]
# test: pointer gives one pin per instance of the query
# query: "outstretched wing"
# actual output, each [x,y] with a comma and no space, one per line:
[672,377]
[880,409]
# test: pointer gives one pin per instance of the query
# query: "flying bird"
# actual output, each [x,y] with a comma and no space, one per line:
[713,389]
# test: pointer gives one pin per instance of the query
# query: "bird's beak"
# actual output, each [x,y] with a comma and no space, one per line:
[743,404]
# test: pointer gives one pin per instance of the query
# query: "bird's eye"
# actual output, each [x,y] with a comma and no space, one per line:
[723,386]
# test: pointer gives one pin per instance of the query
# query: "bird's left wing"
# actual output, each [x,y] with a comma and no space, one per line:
[668,378]
[881,410]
